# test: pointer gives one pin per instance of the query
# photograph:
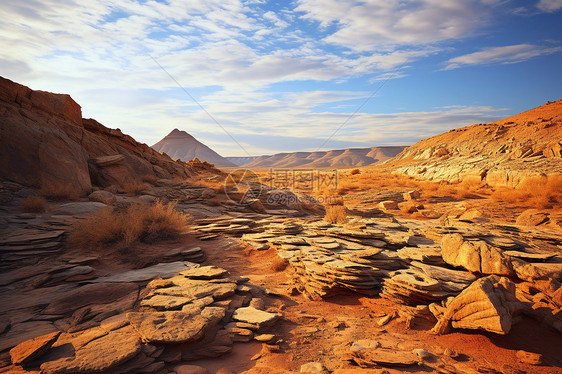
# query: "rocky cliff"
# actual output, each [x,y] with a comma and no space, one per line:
[500,153]
[46,143]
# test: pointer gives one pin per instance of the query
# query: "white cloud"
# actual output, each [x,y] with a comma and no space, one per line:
[366,25]
[550,5]
[506,55]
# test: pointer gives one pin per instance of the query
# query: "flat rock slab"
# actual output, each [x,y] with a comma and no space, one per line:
[97,293]
[24,331]
[31,349]
[205,272]
[384,357]
[99,354]
[168,327]
[166,302]
[255,316]
[78,208]
[531,256]
[163,270]
[30,236]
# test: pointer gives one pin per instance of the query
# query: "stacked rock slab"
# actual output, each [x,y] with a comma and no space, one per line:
[195,314]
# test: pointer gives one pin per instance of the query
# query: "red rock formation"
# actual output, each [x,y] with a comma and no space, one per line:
[45,142]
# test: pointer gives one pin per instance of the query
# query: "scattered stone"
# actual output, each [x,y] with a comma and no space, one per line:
[388,205]
[313,368]
[422,354]
[79,209]
[255,316]
[265,338]
[366,358]
[411,195]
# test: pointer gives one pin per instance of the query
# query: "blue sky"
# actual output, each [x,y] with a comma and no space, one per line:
[284,76]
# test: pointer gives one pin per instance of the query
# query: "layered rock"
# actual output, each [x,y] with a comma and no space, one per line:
[46,144]
[502,153]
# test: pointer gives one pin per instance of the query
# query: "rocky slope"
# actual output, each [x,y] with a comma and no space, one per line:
[340,158]
[47,143]
[180,145]
[501,153]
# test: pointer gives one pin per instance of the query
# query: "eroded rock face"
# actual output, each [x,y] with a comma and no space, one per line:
[475,256]
[46,143]
[487,304]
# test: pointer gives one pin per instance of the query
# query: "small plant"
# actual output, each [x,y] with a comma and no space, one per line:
[55,191]
[134,188]
[336,213]
[34,204]
[355,171]
[279,264]
[121,229]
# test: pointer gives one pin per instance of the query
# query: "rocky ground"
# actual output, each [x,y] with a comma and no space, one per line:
[264,289]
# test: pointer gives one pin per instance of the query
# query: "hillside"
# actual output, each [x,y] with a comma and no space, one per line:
[502,153]
[180,145]
[341,158]
[47,144]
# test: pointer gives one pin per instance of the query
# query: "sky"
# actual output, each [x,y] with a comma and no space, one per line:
[254,77]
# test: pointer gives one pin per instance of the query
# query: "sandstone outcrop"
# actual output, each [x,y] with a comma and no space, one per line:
[502,153]
[46,144]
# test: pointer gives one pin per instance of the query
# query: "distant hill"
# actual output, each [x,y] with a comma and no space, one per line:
[504,152]
[180,145]
[341,158]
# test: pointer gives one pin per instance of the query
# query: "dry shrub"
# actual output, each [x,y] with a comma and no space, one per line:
[34,204]
[279,264]
[355,172]
[335,214]
[121,229]
[56,191]
[133,188]
[542,192]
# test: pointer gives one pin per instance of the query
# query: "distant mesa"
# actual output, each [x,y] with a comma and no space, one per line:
[339,158]
[180,145]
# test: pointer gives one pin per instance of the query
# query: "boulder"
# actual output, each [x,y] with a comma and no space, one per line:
[532,217]
[475,256]
[487,304]
[104,197]
[388,205]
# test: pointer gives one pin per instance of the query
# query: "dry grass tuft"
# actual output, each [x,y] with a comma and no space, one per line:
[336,214]
[541,192]
[134,188]
[59,191]
[279,264]
[121,229]
[34,204]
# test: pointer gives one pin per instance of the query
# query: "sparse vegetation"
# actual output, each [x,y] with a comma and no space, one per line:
[121,229]
[543,192]
[134,188]
[336,213]
[34,204]
[59,191]
[279,264]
